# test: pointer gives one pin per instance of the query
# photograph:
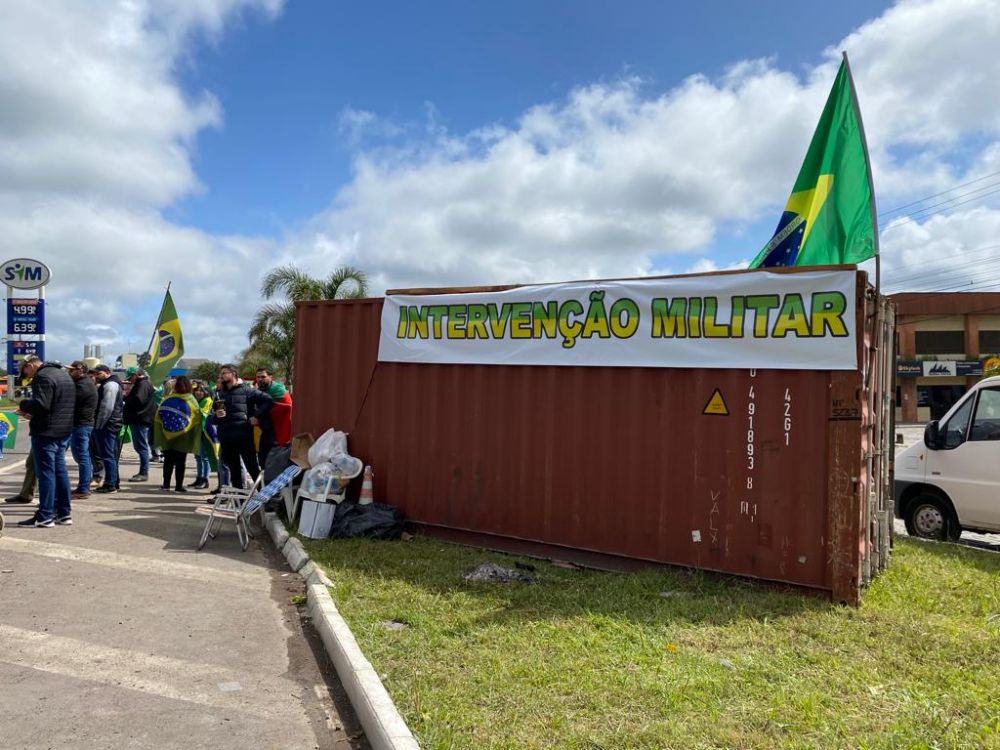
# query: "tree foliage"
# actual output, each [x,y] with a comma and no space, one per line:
[272,331]
[207,371]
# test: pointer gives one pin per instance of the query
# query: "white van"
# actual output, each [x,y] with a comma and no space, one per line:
[950,483]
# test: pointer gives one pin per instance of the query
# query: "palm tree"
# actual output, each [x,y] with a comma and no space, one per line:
[272,332]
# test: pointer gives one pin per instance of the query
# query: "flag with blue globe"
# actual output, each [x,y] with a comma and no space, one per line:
[167,345]
[178,424]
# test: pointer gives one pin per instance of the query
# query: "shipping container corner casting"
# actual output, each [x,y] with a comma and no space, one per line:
[783,475]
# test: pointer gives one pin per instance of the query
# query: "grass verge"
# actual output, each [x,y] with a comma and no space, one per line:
[675,659]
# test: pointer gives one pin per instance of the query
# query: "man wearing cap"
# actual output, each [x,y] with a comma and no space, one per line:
[107,424]
[140,410]
[50,411]
[83,426]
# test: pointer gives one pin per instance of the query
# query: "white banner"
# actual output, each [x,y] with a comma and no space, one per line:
[786,321]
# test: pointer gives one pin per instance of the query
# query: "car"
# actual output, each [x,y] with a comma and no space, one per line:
[950,482]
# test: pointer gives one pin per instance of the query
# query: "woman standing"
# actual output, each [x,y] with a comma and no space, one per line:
[207,459]
[177,431]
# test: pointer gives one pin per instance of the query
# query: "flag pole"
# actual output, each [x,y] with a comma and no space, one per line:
[871,182]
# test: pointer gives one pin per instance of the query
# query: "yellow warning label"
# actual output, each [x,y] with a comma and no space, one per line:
[716,405]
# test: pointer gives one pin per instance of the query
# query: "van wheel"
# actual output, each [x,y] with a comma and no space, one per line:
[929,517]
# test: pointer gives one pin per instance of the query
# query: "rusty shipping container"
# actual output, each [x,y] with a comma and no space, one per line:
[612,464]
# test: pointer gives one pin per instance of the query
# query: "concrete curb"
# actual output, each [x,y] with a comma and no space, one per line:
[379,716]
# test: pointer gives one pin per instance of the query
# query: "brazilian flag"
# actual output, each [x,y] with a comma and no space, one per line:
[167,346]
[8,430]
[178,424]
[209,435]
[830,216]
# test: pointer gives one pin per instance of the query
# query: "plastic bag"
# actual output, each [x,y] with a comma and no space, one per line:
[314,482]
[329,444]
[374,521]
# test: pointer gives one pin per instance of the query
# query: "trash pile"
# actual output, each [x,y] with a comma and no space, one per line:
[322,491]
[493,573]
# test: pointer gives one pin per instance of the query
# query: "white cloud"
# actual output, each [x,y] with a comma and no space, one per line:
[95,139]
[615,179]
[615,176]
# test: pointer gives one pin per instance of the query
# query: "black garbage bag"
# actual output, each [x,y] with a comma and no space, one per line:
[278,459]
[374,521]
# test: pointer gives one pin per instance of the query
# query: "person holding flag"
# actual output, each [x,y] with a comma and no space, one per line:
[177,431]
[830,216]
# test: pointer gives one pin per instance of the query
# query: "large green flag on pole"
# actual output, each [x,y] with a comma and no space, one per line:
[167,346]
[830,215]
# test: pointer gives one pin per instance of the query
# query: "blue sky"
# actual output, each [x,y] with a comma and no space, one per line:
[280,156]
[203,142]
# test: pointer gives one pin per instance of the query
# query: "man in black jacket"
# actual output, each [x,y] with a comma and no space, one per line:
[50,412]
[83,426]
[239,404]
[107,424]
[140,410]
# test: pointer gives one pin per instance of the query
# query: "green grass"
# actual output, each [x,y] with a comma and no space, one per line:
[590,660]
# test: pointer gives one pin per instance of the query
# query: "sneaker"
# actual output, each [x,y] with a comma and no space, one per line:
[78,495]
[165,487]
[17,499]
[106,489]
[64,521]
[140,478]
[34,521]
[181,489]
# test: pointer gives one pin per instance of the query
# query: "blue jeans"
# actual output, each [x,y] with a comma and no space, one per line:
[53,478]
[140,441]
[80,445]
[107,446]
[203,466]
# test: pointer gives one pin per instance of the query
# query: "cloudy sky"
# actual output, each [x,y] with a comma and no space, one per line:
[202,142]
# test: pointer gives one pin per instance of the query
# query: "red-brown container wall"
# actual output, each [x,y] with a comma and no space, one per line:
[618,461]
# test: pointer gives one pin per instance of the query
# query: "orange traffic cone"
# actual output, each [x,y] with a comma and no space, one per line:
[367,493]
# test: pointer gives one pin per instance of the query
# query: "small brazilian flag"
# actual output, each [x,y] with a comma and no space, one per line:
[168,343]
[830,216]
[8,430]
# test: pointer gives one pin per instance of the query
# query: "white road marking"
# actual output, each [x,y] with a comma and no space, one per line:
[161,676]
[132,563]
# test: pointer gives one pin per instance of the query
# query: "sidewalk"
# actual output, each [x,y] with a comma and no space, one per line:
[115,633]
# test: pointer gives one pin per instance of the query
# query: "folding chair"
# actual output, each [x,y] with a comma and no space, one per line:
[240,505]
[270,491]
[229,505]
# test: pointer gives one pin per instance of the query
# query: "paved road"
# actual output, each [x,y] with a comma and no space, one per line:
[115,633]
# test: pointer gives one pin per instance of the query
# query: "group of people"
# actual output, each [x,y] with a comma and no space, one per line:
[229,426]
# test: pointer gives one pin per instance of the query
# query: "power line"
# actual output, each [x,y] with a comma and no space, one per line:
[955,198]
[907,219]
[965,257]
[936,195]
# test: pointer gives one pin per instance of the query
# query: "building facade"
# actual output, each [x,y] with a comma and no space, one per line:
[945,343]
